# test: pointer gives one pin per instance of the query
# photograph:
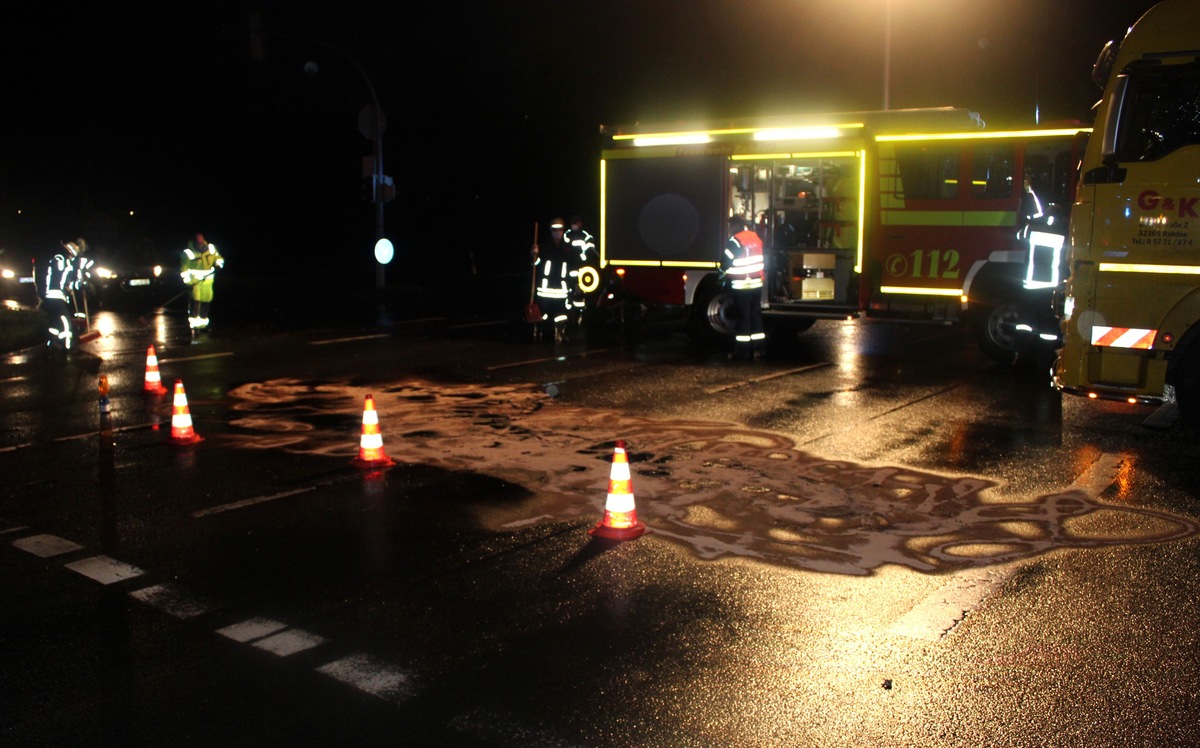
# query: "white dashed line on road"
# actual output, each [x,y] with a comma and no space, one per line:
[249,630]
[369,675]
[105,570]
[46,546]
[170,600]
[251,502]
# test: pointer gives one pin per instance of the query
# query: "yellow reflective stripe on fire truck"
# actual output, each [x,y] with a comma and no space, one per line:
[1133,267]
[921,291]
[898,216]
[664,263]
[1122,337]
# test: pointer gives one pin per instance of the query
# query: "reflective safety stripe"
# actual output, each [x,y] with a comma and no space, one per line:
[745,284]
[54,293]
[1122,337]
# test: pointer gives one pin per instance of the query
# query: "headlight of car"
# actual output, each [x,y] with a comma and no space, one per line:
[103,272]
[157,270]
[7,274]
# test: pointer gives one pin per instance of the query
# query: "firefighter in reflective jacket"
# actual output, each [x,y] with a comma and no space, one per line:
[743,268]
[200,263]
[553,271]
[585,263]
[57,287]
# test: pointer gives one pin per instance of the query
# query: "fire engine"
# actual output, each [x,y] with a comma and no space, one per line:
[915,215]
[1131,306]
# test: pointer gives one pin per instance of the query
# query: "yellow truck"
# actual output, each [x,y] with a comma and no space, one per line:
[1130,309]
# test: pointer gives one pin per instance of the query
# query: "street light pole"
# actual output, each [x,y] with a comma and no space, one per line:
[377,175]
[887,53]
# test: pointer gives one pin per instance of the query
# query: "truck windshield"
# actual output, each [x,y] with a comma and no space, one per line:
[1160,112]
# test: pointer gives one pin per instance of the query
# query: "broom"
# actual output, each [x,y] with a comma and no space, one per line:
[533,314]
[90,334]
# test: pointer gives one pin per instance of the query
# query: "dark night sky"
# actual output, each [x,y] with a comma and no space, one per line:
[493,107]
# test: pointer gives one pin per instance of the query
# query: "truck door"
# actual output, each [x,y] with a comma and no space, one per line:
[1137,284]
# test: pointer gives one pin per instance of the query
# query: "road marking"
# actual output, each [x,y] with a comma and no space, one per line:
[350,340]
[468,325]
[105,570]
[11,530]
[169,599]
[251,629]
[289,642]
[937,614]
[767,377]
[162,361]
[45,546]
[251,502]
[369,675]
[583,354]
[417,321]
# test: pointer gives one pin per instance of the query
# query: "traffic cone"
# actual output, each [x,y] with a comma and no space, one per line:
[181,419]
[370,445]
[153,385]
[620,516]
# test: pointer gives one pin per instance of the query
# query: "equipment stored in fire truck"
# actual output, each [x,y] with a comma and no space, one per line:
[912,215]
[1131,306]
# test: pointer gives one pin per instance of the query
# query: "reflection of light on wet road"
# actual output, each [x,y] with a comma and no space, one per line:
[719,489]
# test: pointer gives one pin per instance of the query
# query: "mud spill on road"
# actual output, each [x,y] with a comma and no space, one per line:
[718,489]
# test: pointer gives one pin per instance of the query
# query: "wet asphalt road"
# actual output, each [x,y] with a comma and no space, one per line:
[874,538]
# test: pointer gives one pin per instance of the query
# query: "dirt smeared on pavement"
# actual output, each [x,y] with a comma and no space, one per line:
[718,489]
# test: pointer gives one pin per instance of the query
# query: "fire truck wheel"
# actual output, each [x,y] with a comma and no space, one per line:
[1187,386]
[714,316]
[995,332]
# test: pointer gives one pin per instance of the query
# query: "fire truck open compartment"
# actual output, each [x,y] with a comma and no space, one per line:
[806,206]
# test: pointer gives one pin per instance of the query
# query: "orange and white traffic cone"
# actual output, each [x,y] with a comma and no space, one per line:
[620,516]
[153,385]
[370,445]
[181,419]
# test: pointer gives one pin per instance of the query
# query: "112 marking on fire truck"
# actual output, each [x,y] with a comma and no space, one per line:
[916,215]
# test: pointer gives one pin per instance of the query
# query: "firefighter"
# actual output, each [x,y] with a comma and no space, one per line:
[742,265]
[552,262]
[585,264]
[200,263]
[57,287]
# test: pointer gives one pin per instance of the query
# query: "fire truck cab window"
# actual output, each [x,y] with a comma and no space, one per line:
[927,172]
[1161,111]
[992,171]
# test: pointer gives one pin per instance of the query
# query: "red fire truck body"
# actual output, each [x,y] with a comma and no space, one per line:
[917,215]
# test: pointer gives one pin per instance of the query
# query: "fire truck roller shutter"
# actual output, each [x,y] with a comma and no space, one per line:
[665,208]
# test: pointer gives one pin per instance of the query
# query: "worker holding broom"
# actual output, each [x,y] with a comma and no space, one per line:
[57,289]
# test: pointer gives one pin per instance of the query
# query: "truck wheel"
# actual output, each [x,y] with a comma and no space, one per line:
[996,334]
[714,316]
[1187,386]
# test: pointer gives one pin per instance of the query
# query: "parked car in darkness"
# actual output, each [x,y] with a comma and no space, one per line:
[16,278]
[133,272]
